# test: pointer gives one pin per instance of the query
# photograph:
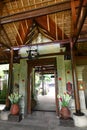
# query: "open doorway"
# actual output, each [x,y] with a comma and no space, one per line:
[43,66]
[45,92]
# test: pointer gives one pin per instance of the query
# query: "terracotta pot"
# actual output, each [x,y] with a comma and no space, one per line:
[65,112]
[14,109]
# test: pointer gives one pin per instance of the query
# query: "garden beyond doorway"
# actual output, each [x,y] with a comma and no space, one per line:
[46,94]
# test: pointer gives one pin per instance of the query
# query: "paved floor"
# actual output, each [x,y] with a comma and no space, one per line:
[38,121]
[46,102]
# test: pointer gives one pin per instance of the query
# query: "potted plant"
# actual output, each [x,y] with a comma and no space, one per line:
[14,99]
[64,100]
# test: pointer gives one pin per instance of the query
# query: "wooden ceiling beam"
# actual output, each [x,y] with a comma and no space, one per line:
[42,21]
[45,33]
[1,7]
[82,40]
[5,45]
[83,14]
[26,29]
[83,32]
[1,26]
[79,12]
[61,42]
[21,33]
[18,34]
[58,7]
[73,9]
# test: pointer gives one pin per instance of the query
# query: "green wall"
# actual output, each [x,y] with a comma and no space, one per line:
[64,72]
[20,79]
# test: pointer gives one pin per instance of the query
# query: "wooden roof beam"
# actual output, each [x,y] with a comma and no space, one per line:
[61,42]
[42,21]
[1,26]
[26,30]
[81,20]
[5,45]
[1,7]
[73,15]
[58,7]
[79,12]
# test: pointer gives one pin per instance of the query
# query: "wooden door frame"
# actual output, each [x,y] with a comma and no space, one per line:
[30,65]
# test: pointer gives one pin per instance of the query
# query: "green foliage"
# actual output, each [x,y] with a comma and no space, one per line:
[14,98]
[64,99]
[47,77]
[38,80]
[3,94]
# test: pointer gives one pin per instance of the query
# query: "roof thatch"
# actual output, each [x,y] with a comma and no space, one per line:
[59,20]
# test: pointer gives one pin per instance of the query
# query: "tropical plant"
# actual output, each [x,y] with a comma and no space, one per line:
[64,99]
[14,98]
[3,93]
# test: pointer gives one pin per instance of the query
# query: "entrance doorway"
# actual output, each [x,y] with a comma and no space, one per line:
[50,65]
[45,92]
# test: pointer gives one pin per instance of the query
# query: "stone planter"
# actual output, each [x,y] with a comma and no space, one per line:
[4,115]
[80,121]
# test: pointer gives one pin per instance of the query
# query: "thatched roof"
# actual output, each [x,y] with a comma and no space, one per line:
[59,20]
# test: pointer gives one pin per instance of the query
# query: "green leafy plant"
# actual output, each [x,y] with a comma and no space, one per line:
[14,98]
[64,99]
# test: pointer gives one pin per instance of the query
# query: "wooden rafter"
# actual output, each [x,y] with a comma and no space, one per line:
[42,22]
[4,45]
[83,14]
[79,12]
[73,9]
[18,34]
[6,35]
[32,35]
[22,27]
[7,9]
[1,7]
[58,7]
[26,30]
[13,33]
[45,33]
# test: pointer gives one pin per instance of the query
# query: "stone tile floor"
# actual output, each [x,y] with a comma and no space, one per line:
[38,121]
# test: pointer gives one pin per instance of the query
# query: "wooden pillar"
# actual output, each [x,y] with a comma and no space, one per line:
[10,83]
[75,83]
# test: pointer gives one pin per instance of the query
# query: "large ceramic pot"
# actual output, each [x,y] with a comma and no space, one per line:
[65,112]
[14,109]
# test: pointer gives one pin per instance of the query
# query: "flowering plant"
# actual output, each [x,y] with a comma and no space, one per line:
[64,99]
[14,98]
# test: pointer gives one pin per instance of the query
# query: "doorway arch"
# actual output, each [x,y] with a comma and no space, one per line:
[39,62]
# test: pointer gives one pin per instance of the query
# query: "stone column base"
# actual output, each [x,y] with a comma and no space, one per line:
[4,115]
[80,121]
